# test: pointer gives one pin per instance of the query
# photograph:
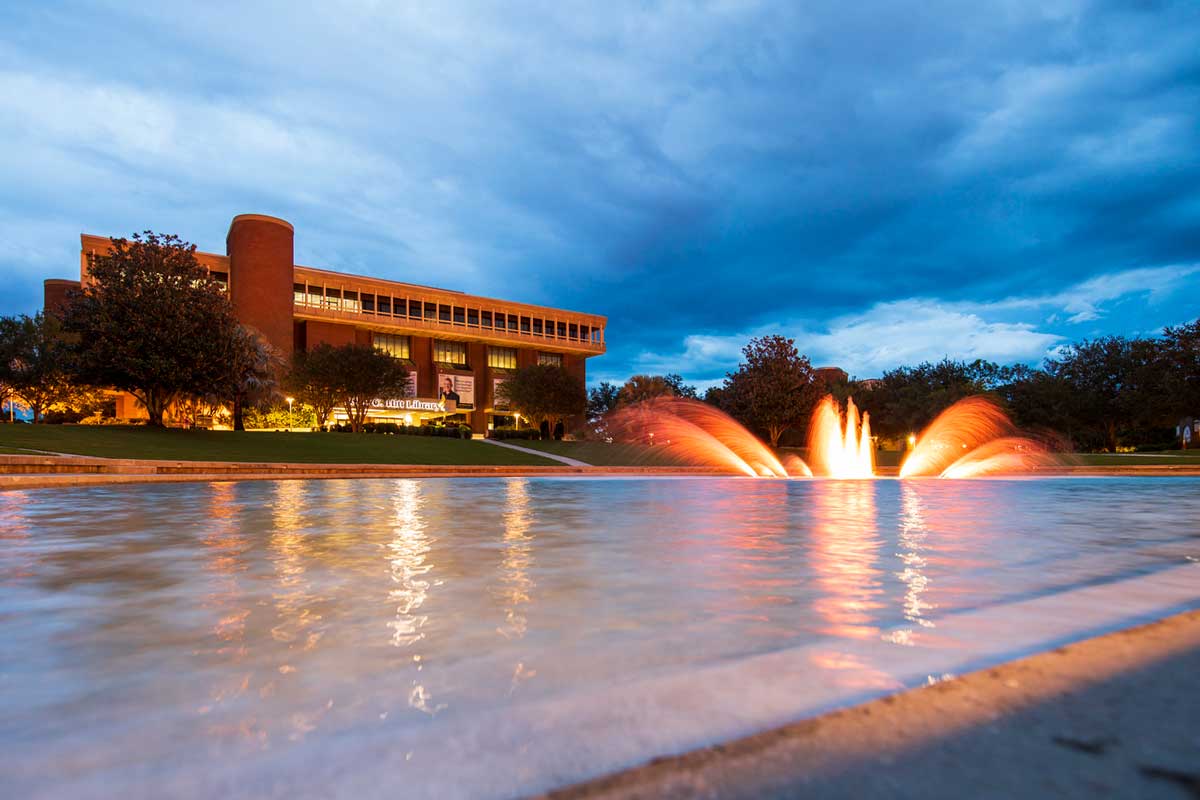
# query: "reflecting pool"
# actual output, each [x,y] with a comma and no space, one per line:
[378,635]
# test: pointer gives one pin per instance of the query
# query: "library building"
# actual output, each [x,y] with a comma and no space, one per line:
[459,348]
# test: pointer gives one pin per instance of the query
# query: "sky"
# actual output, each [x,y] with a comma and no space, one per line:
[884,182]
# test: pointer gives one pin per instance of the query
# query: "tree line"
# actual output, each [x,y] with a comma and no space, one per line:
[1100,394]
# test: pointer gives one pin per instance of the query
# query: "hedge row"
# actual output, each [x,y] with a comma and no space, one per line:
[451,431]
[529,434]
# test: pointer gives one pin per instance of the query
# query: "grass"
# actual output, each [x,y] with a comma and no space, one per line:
[1125,460]
[308,448]
[600,454]
[618,455]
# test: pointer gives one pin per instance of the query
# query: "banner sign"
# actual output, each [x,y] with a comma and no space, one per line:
[411,404]
[411,389]
[459,389]
[499,401]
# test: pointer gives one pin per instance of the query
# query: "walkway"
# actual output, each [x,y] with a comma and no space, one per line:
[570,462]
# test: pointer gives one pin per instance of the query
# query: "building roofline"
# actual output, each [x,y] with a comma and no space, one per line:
[455,293]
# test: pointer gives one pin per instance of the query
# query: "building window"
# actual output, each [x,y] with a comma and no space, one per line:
[394,346]
[368,303]
[503,357]
[550,359]
[449,352]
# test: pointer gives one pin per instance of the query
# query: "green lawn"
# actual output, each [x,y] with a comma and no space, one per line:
[310,448]
[600,454]
[1125,460]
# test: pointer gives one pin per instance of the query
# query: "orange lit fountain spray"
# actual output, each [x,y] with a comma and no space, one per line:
[702,434]
[838,449]
[972,438]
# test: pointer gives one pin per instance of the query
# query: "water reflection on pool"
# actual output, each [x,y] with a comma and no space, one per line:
[147,626]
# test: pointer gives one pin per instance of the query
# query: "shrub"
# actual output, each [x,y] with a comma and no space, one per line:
[527,434]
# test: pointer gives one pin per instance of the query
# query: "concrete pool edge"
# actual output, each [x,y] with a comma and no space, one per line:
[49,471]
[1068,709]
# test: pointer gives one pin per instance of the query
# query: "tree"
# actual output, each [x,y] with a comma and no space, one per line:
[602,400]
[772,389]
[315,380]
[641,388]
[681,389]
[364,375]
[1097,373]
[1181,363]
[150,321]
[542,393]
[907,399]
[252,365]
[35,364]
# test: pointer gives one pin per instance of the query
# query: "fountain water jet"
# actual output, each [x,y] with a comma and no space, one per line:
[971,438]
[701,433]
[838,450]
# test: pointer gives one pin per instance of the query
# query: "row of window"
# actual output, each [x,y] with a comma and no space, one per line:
[447,352]
[384,305]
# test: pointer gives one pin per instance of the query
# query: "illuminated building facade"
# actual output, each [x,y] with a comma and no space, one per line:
[455,345]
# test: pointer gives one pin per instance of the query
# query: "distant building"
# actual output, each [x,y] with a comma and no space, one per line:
[830,375]
[456,346]
[870,383]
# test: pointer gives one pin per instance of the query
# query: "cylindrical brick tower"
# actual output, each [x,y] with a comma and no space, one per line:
[261,258]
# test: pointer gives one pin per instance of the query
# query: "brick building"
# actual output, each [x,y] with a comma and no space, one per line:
[454,344]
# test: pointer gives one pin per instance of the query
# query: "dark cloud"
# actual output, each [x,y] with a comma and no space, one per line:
[691,170]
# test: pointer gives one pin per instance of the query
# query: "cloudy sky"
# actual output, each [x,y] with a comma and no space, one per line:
[885,182]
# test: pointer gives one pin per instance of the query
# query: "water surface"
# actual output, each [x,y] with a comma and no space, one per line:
[152,628]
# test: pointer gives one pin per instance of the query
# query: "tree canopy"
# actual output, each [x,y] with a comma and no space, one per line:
[361,374]
[151,321]
[35,365]
[542,392]
[315,381]
[772,389]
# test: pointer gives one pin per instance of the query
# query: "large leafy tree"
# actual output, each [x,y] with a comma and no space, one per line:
[150,321]
[1117,388]
[363,375]
[772,390]
[543,393]
[315,380]
[35,365]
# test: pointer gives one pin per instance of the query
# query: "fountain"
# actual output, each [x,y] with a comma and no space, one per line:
[972,438]
[837,449]
[700,433]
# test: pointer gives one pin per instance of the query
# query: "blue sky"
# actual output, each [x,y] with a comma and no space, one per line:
[884,182]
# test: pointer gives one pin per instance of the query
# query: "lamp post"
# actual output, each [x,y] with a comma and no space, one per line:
[290,420]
